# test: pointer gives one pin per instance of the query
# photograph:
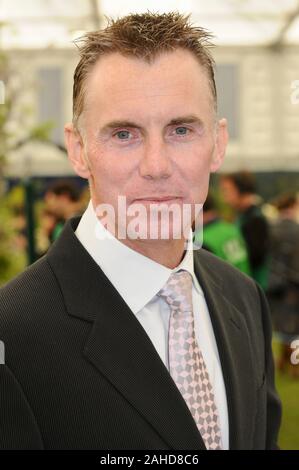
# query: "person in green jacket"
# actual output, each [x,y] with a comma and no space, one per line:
[240,192]
[222,238]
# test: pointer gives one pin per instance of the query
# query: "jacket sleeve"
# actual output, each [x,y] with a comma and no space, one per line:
[18,427]
[274,408]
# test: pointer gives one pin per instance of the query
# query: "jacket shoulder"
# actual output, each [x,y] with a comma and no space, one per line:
[223,271]
[25,296]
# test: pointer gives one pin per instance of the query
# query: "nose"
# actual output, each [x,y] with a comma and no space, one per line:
[155,162]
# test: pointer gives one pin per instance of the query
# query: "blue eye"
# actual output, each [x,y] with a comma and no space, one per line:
[123,135]
[181,130]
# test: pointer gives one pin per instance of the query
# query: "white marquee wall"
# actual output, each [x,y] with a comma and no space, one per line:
[255,94]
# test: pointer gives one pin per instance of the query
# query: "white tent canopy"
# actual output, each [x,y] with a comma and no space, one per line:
[55,23]
[37,159]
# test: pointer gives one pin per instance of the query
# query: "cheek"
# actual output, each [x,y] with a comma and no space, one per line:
[196,172]
[197,163]
[231,195]
[110,175]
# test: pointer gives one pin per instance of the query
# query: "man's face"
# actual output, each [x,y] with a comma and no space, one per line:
[230,193]
[53,202]
[149,131]
[57,203]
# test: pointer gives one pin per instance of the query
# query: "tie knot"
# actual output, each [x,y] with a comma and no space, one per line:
[177,291]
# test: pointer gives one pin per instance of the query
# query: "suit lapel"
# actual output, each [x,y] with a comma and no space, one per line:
[121,350]
[235,355]
[118,346]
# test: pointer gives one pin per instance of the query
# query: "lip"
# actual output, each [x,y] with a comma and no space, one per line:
[156,199]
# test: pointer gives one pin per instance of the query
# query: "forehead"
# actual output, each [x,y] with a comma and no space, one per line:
[172,80]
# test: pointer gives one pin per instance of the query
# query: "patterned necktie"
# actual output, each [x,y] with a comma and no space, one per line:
[186,363]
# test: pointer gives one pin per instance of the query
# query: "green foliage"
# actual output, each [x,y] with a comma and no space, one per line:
[12,250]
[12,222]
[5,109]
[288,390]
[42,131]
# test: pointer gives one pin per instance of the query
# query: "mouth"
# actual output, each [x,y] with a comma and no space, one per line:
[157,199]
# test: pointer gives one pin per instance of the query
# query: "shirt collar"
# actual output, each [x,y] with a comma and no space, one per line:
[136,277]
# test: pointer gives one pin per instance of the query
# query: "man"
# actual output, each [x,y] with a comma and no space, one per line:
[283,286]
[239,190]
[62,198]
[118,340]
[222,238]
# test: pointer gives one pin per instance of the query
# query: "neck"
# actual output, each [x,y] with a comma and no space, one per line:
[69,211]
[169,253]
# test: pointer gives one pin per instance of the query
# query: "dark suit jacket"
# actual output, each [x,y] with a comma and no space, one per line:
[81,373]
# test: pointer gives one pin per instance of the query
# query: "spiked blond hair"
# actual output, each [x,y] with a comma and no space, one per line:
[143,36]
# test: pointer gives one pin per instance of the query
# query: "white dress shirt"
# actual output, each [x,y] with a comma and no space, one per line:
[123,267]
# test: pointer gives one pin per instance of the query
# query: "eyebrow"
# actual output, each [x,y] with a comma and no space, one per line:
[189,119]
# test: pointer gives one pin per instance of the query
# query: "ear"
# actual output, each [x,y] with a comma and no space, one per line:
[75,150]
[220,145]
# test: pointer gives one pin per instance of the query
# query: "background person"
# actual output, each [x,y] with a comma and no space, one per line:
[222,238]
[283,286]
[239,191]
[62,199]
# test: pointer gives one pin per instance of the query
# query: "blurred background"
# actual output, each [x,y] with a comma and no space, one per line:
[252,213]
